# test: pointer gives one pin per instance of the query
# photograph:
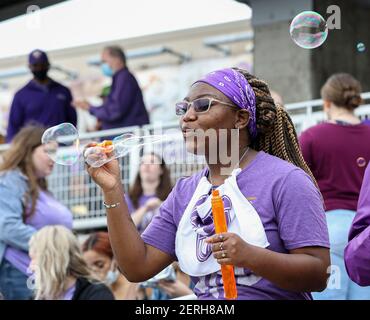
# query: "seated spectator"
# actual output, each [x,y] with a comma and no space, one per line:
[98,255]
[178,288]
[26,205]
[281,251]
[60,272]
[152,186]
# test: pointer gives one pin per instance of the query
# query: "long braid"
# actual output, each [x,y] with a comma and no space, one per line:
[276,133]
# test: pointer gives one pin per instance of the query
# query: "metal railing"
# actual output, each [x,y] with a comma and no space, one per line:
[74,188]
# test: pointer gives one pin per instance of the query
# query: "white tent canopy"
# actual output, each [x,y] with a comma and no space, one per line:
[78,23]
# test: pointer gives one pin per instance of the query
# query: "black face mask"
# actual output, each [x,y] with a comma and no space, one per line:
[40,74]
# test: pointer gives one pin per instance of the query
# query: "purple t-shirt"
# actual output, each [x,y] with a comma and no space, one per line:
[48,212]
[337,156]
[288,204]
[68,295]
[148,216]
[357,252]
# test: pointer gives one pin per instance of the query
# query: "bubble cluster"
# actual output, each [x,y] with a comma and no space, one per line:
[99,154]
[63,146]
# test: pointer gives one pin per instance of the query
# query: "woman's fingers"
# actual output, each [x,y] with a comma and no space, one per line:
[225,261]
[222,257]
[220,237]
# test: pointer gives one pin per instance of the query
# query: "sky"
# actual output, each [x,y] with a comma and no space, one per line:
[76,23]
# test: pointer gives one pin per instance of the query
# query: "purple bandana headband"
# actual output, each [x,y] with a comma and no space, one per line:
[234,86]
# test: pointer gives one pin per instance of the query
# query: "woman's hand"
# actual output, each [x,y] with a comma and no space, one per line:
[174,288]
[229,248]
[153,204]
[108,176]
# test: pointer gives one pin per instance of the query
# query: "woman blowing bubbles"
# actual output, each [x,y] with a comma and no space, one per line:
[277,239]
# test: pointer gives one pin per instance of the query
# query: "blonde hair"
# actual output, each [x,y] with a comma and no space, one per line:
[58,256]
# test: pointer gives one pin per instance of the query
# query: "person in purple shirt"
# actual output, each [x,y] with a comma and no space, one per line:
[277,240]
[41,101]
[25,206]
[357,251]
[124,105]
[337,152]
[151,187]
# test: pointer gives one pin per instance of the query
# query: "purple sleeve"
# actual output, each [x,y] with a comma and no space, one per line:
[119,100]
[300,213]
[161,232]
[357,252]
[16,118]
[70,110]
[305,142]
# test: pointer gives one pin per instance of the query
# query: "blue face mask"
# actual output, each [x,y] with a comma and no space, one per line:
[112,276]
[107,70]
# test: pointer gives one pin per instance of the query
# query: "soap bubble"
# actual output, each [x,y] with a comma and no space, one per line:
[62,144]
[361,162]
[308,30]
[361,47]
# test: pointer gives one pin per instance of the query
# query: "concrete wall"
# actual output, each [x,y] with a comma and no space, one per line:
[339,52]
[296,73]
[284,65]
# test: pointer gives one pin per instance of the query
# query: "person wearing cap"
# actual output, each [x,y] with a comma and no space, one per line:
[41,101]
[124,106]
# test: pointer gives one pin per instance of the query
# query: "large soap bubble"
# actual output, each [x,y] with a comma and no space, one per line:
[309,30]
[62,144]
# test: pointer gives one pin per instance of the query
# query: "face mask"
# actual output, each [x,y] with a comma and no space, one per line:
[111,277]
[40,74]
[107,70]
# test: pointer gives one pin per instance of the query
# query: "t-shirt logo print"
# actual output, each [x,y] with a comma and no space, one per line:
[204,227]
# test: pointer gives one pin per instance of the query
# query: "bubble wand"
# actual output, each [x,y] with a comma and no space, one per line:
[219,220]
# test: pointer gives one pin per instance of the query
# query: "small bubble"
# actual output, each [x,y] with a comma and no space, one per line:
[361,47]
[309,30]
[361,162]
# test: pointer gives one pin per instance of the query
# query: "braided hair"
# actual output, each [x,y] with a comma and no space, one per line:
[276,134]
